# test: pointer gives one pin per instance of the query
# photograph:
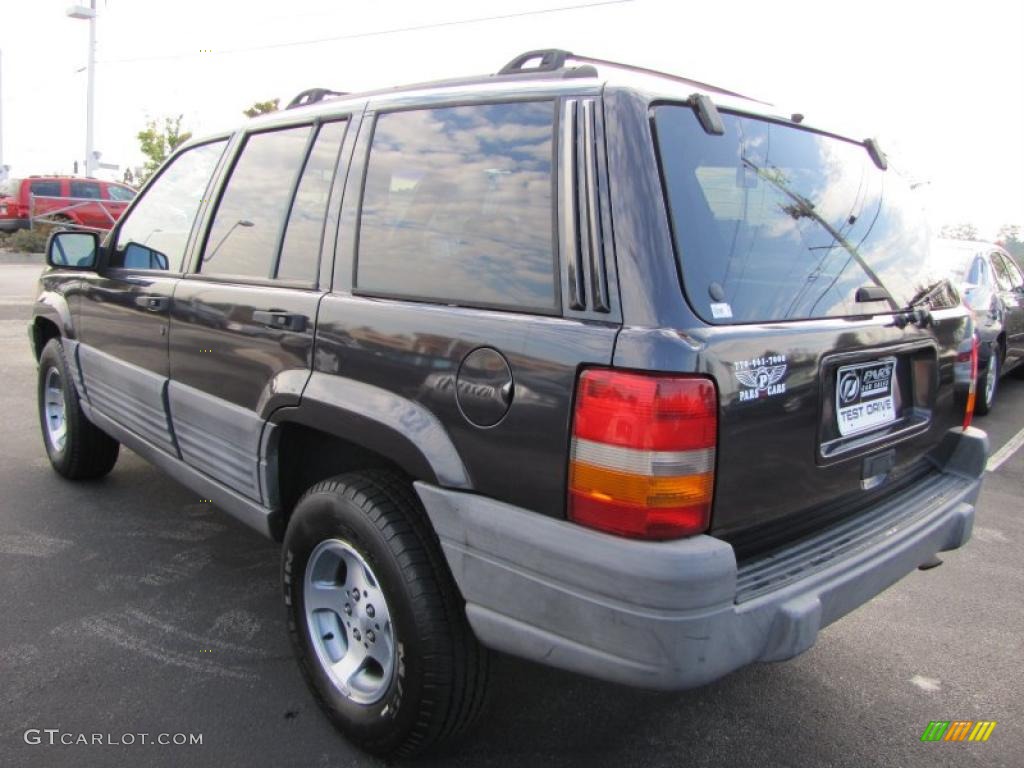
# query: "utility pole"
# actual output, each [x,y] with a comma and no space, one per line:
[81,12]
[3,168]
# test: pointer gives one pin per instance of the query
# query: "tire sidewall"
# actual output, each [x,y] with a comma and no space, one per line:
[52,358]
[323,516]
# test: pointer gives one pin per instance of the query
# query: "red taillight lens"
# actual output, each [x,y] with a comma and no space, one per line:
[642,462]
[969,411]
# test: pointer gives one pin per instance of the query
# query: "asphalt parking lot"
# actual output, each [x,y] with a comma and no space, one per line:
[130,606]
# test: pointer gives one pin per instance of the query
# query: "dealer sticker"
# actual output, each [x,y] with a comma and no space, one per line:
[864,396]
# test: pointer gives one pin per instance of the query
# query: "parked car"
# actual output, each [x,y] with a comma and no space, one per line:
[62,199]
[992,287]
[599,367]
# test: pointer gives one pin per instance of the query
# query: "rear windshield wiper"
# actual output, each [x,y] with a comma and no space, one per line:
[804,208]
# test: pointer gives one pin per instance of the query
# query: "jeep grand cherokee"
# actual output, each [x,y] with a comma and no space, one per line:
[608,369]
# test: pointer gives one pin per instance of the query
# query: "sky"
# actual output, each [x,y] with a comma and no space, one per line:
[940,84]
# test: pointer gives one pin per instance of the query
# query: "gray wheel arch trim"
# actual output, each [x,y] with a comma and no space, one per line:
[381,421]
[51,306]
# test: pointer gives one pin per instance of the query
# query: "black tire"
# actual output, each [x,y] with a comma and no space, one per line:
[438,688]
[88,452]
[988,382]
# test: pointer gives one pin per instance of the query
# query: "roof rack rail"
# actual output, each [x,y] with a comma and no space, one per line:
[554,59]
[548,60]
[312,96]
[551,60]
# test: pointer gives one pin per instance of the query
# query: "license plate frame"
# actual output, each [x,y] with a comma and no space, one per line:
[864,396]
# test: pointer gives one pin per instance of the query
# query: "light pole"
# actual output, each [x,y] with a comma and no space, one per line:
[3,168]
[81,12]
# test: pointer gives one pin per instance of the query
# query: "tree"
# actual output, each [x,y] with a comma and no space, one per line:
[1009,238]
[964,231]
[262,108]
[157,145]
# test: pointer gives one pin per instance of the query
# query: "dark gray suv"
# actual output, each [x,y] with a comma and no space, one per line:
[600,367]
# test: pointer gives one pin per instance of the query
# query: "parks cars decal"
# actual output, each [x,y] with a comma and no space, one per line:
[762,376]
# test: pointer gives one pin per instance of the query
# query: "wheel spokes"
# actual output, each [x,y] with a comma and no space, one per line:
[350,665]
[321,596]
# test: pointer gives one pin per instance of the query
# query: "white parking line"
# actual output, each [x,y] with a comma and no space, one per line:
[997,458]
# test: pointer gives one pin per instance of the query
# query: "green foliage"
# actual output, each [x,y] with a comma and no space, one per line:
[27,240]
[262,108]
[158,144]
[964,231]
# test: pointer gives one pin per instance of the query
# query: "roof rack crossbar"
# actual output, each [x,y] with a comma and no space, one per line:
[312,96]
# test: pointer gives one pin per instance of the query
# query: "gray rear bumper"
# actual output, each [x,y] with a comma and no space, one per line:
[680,614]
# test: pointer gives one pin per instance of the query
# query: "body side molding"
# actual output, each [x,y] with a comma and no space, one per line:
[254,515]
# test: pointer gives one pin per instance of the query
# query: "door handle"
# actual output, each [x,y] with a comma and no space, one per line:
[153,303]
[277,319]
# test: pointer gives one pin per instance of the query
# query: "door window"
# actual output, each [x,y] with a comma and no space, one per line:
[1013,273]
[154,235]
[300,250]
[85,189]
[1002,272]
[247,226]
[457,207]
[45,188]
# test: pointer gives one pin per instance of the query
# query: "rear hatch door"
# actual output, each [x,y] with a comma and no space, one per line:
[834,342]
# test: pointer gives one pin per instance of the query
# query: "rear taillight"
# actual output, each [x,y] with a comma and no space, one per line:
[642,462]
[969,410]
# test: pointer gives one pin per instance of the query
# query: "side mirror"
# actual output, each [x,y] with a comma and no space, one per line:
[72,250]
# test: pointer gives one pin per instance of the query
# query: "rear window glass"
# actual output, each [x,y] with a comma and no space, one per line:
[45,188]
[959,259]
[773,222]
[458,206]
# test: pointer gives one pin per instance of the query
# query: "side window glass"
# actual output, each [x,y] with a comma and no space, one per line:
[45,188]
[246,228]
[457,206]
[85,189]
[1003,279]
[300,250]
[976,274]
[1013,272]
[121,194]
[156,232]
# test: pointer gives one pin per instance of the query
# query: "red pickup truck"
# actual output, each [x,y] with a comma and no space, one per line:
[88,203]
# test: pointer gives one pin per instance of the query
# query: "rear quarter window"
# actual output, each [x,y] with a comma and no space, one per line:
[124,194]
[457,207]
